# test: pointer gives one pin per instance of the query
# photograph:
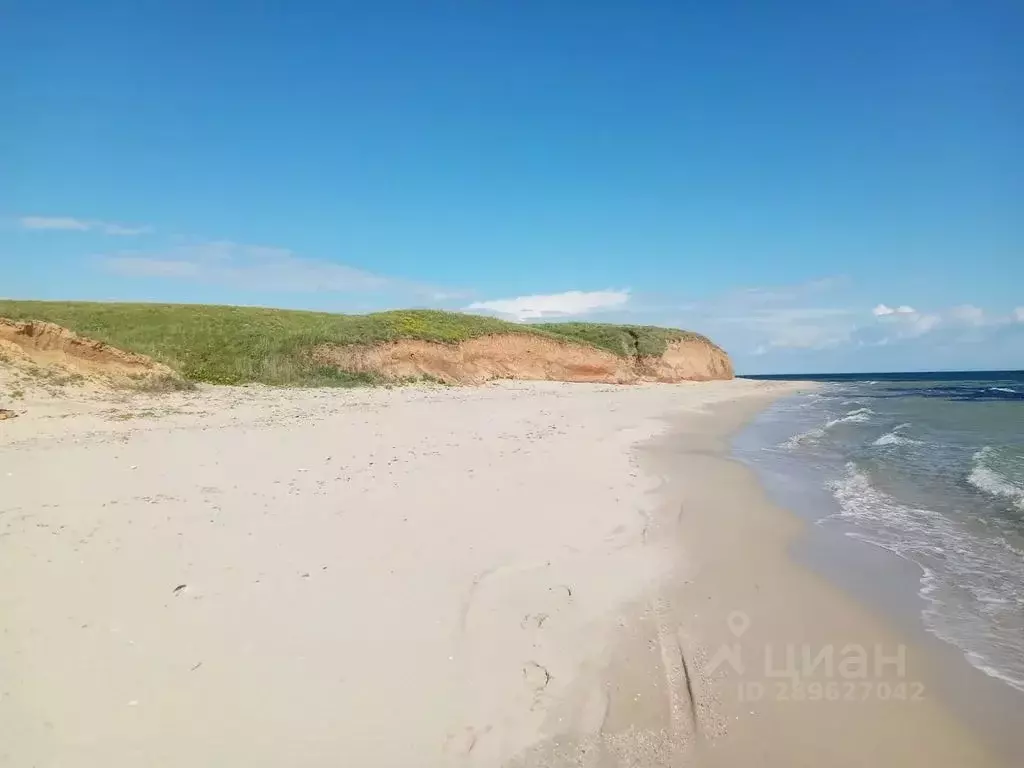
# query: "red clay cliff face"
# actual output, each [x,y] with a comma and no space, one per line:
[525,357]
[688,361]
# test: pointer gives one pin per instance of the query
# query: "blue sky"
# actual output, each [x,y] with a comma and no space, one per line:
[816,185]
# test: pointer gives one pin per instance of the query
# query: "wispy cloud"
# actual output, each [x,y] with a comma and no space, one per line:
[968,314]
[567,304]
[119,229]
[255,267]
[53,222]
[882,310]
[783,295]
[963,322]
[67,223]
[796,328]
[798,316]
[823,325]
[898,325]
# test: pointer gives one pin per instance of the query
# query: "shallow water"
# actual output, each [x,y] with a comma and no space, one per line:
[930,468]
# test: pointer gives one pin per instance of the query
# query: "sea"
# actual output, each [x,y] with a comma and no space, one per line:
[929,466]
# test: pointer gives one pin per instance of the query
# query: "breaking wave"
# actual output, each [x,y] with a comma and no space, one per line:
[859,415]
[989,480]
[969,582]
[895,438]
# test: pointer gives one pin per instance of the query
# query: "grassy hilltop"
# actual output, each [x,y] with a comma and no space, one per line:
[236,345]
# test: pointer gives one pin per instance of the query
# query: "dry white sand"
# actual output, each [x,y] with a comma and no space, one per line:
[244,576]
[409,577]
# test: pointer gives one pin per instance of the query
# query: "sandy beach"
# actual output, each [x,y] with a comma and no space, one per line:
[521,574]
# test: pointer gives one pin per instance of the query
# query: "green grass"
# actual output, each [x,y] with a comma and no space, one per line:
[626,340]
[235,345]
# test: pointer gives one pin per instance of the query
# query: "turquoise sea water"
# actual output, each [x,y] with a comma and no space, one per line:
[929,467]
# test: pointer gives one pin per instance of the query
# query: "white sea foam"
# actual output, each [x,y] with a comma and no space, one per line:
[859,415]
[990,481]
[891,438]
[1003,389]
[969,583]
[895,438]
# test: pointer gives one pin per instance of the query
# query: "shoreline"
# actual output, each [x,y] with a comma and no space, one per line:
[524,574]
[693,674]
[810,615]
[988,705]
[890,585]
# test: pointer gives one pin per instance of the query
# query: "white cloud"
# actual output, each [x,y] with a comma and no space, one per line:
[554,304]
[757,320]
[794,327]
[67,223]
[968,314]
[884,311]
[904,323]
[250,267]
[53,222]
[764,320]
[900,322]
[821,325]
[924,323]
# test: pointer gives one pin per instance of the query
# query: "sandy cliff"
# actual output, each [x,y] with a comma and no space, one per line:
[45,349]
[35,351]
[514,356]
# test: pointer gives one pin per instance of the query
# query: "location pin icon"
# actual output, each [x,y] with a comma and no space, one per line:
[738,623]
